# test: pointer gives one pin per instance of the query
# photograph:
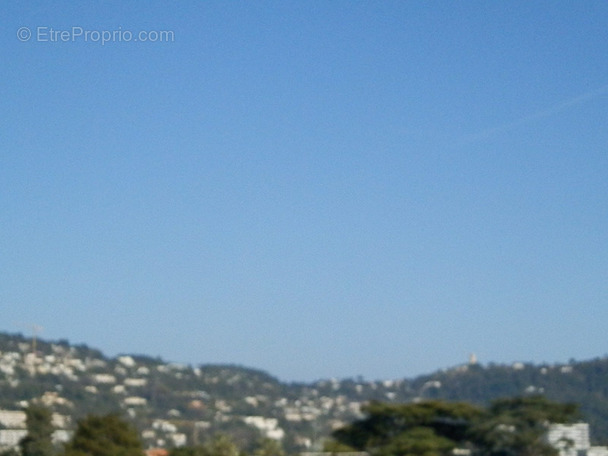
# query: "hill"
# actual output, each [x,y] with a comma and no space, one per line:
[172,404]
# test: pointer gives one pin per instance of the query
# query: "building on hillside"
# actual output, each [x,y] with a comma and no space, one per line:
[13,428]
[12,419]
[573,440]
[268,426]
[10,438]
[569,439]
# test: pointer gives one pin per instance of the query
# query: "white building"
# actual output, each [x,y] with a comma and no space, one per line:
[9,438]
[573,440]
[62,436]
[268,426]
[12,419]
[104,378]
[15,428]
[179,439]
[136,382]
[135,400]
[126,361]
[597,451]
[569,439]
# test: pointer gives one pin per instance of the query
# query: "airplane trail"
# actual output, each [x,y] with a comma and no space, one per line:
[564,105]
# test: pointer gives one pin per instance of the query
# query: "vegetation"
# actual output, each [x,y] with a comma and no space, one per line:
[508,427]
[104,436]
[224,445]
[269,447]
[200,402]
[38,441]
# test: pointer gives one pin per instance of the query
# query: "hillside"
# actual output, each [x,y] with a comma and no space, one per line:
[584,383]
[172,404]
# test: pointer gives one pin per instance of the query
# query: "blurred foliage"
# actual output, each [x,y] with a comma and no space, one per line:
[508,427]
[38,441]
[107,435]
[219,396]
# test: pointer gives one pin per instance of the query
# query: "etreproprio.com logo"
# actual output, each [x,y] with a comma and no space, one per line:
[80,34]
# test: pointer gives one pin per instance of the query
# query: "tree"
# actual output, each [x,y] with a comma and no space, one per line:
[188,451]
[418,441]
[104,436]
[333,446]
[269,447]
[10,452]
[517,426]
[220,445]
[509,427]
[39,438]
[430,428]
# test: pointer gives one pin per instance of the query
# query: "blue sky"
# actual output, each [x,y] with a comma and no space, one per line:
[316,189]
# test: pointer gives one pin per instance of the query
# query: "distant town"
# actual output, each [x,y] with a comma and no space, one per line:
[174,405]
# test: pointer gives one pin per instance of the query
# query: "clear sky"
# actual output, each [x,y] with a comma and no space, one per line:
[315,189]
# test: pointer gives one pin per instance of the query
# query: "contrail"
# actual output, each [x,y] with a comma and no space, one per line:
[580,99]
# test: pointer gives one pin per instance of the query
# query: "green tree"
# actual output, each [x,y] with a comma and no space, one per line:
[509,427]
[517,426]
[10,452]
[219,445]
[188,451]
[269,447]
[104,436]
[39,438]
[333,446]
[430,428]
[418,441]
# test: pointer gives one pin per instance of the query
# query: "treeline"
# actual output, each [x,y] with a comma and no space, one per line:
[582,382]
[223,395]
[507,427]
[111,435]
